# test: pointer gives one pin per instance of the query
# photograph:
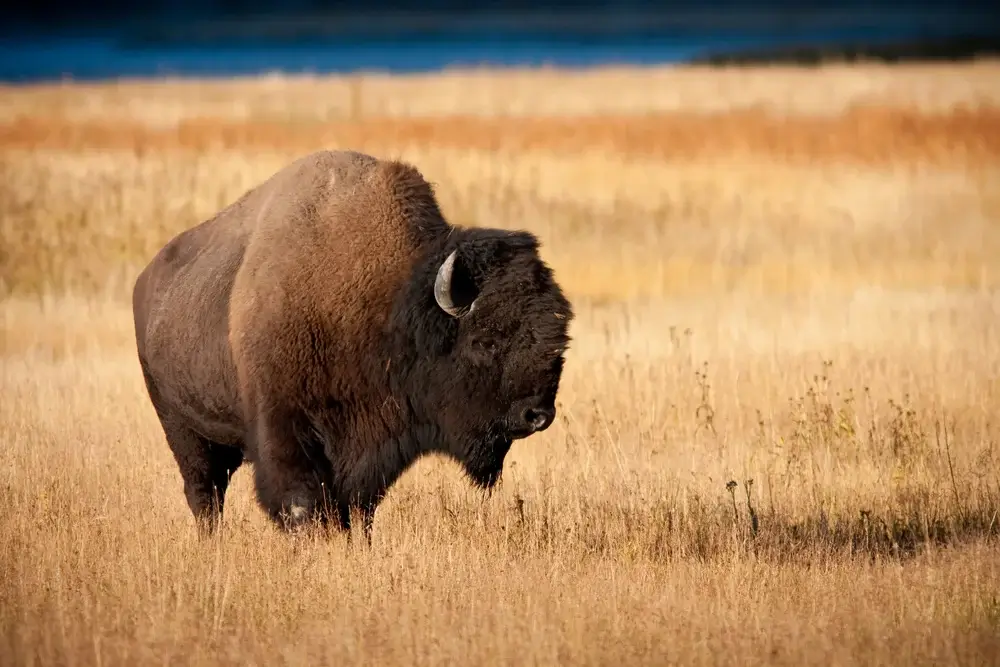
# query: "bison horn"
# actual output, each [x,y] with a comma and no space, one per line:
[443,289]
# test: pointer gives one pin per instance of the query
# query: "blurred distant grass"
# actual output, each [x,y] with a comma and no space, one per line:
[714,179]
[613,225]
[827,91]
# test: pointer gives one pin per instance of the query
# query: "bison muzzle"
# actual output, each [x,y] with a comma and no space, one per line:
[330,327]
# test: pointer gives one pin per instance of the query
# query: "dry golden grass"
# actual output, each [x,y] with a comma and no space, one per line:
[783,276]
[516,93]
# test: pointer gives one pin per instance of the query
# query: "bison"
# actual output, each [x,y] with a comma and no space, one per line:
[330,327]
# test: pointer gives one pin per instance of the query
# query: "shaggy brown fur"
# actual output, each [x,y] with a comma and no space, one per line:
[299,328]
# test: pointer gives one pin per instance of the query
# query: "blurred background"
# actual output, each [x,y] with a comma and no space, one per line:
[115,38]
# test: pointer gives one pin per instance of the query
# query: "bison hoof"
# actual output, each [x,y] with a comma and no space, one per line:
[297,516]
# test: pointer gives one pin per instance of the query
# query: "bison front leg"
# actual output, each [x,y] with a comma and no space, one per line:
[291,474]
[367,518]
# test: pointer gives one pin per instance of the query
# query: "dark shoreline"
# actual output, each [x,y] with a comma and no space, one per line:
[947,49]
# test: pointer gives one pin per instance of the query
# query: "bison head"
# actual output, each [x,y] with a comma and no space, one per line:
[485,346]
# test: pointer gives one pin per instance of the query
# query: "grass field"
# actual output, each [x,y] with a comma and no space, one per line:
[779,438]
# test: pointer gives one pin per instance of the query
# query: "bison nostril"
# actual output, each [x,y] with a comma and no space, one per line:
[538,419]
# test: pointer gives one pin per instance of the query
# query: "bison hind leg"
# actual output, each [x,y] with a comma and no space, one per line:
[206,468]
[224,460]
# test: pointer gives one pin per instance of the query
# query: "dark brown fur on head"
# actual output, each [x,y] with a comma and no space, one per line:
[475,376]
[331,327]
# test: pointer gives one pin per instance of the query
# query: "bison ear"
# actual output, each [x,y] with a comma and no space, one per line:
[454,290]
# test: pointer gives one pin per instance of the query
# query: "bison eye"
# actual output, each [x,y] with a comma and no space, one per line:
[483,348]
[487,345]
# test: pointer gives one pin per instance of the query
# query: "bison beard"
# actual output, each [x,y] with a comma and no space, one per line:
[484,462]
[330,327]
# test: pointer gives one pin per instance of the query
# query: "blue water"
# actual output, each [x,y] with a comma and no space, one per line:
[96,59]
[108,56]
